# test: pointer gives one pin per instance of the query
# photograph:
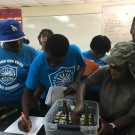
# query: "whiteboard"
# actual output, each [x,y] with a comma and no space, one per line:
[117,22]
[79,29]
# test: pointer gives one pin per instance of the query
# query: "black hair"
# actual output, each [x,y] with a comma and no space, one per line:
[133,22]
[100,42]
[57,45]
[44,31]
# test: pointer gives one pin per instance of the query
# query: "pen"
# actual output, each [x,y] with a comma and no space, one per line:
[24,118]
[8,114]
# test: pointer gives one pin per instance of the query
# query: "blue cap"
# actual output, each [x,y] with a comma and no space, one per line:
[10,30]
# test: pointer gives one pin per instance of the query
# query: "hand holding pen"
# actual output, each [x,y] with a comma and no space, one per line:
[24,124]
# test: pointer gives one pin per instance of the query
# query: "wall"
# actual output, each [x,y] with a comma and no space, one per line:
[69,9]
[79,29]
[74,9]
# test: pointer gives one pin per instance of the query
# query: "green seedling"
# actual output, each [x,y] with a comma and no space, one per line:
[86,115]
[65,111]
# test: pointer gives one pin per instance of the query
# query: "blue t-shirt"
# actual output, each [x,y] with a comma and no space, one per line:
[62,75]
[14,68]
[43,94]
[88,55]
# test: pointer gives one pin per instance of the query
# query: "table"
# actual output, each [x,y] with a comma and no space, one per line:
[4,124]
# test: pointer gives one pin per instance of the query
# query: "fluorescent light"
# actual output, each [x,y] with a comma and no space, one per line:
[62,18]
[71,25]
[95,0]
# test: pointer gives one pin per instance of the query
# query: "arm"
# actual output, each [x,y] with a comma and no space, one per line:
[93,79]
[37,93]
[82,90]
[85,76]
[78,110]
[80,62]
[28,103]
[124,120]
[79,74]
[30,98]
[120,122]
[73,86]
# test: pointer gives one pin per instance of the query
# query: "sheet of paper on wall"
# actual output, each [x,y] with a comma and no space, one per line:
[36,125]
[56,92]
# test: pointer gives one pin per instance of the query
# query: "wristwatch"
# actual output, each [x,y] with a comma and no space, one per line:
[113,127]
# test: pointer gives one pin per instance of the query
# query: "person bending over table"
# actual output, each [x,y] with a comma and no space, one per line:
[57,66]
[117,93]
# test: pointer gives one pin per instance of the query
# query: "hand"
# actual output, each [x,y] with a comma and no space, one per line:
[23,127]
[71,90]
[105,127]
[76,114]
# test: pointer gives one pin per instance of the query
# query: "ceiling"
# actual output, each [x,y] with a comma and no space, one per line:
[31,3]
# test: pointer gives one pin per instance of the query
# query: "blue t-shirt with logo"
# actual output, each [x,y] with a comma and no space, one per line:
[101,63]
[62,75]
[14,68]
[43,94]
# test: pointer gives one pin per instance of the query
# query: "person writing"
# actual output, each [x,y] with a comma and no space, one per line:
[57,66]
[117,93]
[15,61]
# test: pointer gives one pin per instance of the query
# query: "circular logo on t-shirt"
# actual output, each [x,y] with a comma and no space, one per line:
[8,74]
[62,77]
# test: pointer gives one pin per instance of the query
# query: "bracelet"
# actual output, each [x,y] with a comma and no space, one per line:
[113,127]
